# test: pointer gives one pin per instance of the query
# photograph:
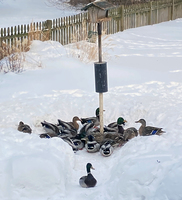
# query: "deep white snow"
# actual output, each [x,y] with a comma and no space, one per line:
[144,78]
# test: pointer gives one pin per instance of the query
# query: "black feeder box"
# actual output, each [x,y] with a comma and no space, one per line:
[101,77]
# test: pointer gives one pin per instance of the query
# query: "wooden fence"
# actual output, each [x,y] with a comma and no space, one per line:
[76,28]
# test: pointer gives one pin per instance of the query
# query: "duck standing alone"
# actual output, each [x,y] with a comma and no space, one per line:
[89,180]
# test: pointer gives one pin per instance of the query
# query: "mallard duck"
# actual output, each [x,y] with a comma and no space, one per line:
[89,180]
[106,149]
[94,120]
[116,126]
[148,130]
[86,129]
[91,145]
[121,122]
[50,128]
[24,128]
[61,129]
[128,133]
[79,143]
[69,125]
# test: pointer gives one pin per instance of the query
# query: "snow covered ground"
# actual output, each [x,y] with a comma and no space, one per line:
[144,79]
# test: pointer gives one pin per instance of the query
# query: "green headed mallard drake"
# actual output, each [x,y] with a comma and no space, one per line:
[95,120]
[148,130]
[120,123]
[89,180]
[116,126]
[128,133]
[24,128]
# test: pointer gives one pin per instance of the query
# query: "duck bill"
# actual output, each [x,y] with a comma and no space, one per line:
[136,121]
[125,121]
[93,168]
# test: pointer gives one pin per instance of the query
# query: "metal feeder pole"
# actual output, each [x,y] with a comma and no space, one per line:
[100,94]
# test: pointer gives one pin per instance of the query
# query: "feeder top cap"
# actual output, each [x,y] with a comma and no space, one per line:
[104,5]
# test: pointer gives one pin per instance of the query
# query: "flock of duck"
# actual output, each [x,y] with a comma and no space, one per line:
[89,137]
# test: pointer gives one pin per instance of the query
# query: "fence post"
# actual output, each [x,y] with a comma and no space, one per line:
[1,52]
[172,10]
[48,27]
[157,17]
[122,17]
[1,44]
[150,13]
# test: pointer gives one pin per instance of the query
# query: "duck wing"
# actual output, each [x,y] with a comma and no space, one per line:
[82,182]
[113,125]
[86,130]
[130,133]
[114,139]
[50,128]
[150,130]
[71,133]
[88,120]
[90,181]
[48,135]
[110,129]
[66,125]
[94,120]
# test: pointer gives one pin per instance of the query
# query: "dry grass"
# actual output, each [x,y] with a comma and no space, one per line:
[13,56]
[87,49]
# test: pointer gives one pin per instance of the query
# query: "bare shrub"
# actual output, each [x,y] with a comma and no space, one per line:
[13,56]
[12,53]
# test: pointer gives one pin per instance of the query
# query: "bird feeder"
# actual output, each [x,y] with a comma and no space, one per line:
[97,13]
